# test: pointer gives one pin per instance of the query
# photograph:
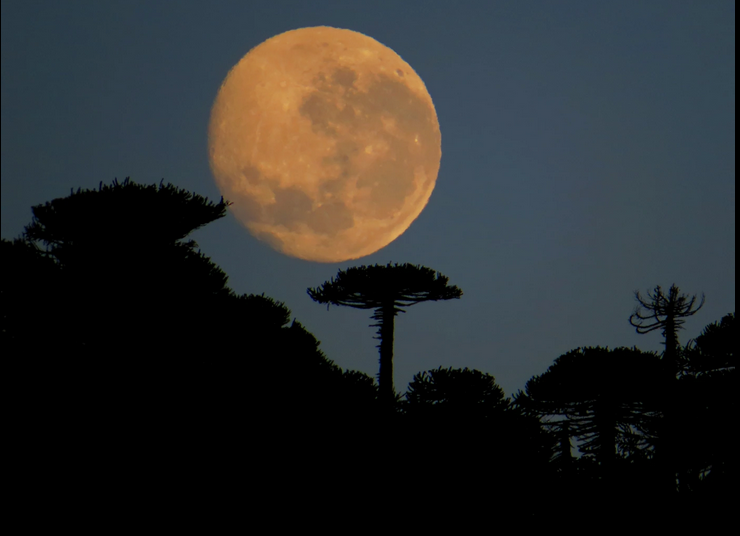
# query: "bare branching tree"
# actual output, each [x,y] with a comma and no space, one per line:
[667,312]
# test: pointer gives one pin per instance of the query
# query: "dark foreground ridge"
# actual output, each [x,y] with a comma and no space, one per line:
[114,323]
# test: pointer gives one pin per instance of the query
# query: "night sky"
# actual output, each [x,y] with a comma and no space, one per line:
[588,151]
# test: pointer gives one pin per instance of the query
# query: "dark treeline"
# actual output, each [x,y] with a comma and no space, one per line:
[123,335]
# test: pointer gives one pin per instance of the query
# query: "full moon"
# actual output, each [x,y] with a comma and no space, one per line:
[326,142]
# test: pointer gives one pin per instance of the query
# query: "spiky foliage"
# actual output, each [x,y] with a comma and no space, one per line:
[463,393]
[714,351]
[124,258]
[387,289]
[123,214]
[370,287]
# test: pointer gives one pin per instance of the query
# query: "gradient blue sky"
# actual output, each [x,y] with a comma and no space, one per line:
[588,151]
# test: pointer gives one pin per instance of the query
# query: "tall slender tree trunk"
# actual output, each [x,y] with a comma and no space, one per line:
[670,356]
[386,316]
[565,457]
[667,437]
[676,468]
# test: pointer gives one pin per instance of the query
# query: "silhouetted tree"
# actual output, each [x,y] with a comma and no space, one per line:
[714,351]
[121,302]
[462,416]
[130,347]
[124,217]
[129,274]
[461,393]
[275,371]
[667,312]
[707,405]
[605,397]
[386,289]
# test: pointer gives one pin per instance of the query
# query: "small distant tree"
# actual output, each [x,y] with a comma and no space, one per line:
[386,289]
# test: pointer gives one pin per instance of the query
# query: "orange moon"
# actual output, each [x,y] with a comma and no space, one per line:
[326,142]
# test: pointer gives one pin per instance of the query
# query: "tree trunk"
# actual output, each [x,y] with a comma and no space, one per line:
[667,438]
[386,316]
[670,355]
[565,456]
[606,423]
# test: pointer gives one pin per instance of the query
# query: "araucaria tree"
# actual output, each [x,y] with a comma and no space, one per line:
[602,397]
[130,274]
[386,289]
[666,312]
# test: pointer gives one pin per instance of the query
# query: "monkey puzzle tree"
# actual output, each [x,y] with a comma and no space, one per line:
[125,229]
[667,312]
[125,260]
[386,289]
[118,310]
[602,397]
[714,351]
[709,407]
[463,416]
[458,393]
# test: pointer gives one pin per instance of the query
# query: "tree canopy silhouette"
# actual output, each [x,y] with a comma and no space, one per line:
[603,397]
[386,289]
[462,416]
[714,351]
[123,301]
[123,256]
[462,393]
[123,214]
[121,328]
